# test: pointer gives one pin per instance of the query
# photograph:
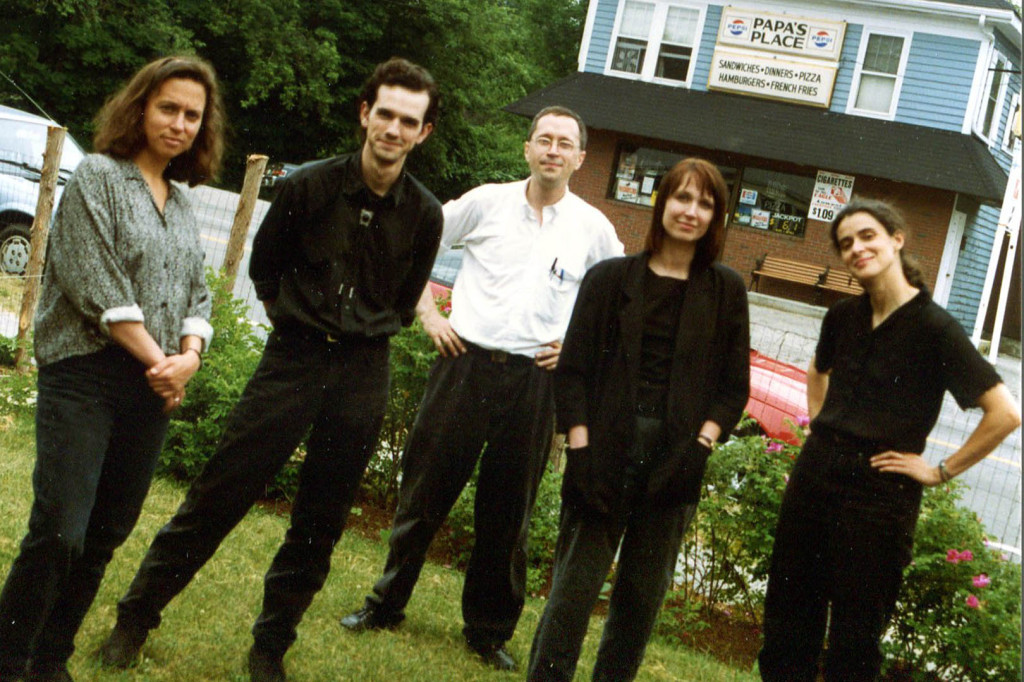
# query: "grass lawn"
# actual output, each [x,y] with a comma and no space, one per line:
[206,631]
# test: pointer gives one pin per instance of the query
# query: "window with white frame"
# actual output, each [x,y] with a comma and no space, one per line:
[991,105]
[1012,131]
[879,74]
[656,40]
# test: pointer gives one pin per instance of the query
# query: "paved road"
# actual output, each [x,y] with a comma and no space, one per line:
[780,329]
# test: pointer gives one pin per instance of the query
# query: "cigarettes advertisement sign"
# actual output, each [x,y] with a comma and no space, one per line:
[798,36]
[832,192]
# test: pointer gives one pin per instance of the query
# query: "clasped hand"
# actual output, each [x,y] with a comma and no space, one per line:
[169,376]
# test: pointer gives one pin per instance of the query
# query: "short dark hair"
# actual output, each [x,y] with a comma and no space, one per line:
[708,179]
[892,220]
[119,130]
[556,110]
[403,73]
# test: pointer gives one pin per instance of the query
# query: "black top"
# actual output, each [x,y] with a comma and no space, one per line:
[597,378]
[337,258]
[887,384]
[663,299]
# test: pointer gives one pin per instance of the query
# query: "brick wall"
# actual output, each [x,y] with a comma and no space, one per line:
[926,210]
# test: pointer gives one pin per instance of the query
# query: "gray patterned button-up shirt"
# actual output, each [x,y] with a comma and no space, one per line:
[113,257]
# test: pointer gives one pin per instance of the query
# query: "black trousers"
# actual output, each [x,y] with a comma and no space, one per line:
[99,429]
[844,536]
[587,541]
[340,389]
[471,400]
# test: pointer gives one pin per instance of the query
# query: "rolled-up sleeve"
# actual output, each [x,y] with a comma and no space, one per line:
[197,317]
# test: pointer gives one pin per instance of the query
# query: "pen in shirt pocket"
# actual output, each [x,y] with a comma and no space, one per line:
[557,271]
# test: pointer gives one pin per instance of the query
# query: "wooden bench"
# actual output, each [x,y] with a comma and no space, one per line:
[821,278]
[842,282]
[786,270]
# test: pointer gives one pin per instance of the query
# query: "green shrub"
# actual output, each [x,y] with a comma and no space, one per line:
[8,346]
[412,353]
[727,550]
[196,427]
[959,613]
[17,393]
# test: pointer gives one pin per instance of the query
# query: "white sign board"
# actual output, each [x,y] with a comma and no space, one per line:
[832,191]
[767,76]
[801,36]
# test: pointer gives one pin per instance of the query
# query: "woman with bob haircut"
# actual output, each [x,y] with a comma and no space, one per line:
[655,369]
[122,322]
[875,386]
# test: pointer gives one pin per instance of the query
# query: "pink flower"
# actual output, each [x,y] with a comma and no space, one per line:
[966,555]
[981,580]
[953,556]
[803,420]
[774,447]
[972,602]
[1003,556]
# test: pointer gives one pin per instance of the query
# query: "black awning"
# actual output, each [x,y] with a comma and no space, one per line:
[776,130]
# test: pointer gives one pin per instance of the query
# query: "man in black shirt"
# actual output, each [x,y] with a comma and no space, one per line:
[339,263]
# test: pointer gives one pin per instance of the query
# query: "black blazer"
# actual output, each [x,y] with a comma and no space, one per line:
[596,378]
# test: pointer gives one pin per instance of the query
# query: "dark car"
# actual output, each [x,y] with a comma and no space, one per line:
[22,143]
[446,267]
[275,172]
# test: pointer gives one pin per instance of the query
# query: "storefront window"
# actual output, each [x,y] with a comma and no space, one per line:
[639,170]
[775,202]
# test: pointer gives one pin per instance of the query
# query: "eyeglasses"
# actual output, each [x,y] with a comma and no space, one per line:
[564,144]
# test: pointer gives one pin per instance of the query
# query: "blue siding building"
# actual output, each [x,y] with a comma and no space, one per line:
[911,101]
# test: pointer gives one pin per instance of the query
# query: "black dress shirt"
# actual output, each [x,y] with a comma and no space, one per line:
[336,258]
[886,384]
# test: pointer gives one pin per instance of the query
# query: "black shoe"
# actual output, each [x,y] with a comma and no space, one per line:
[123,646]
[265,667]
[49,673]
[370,618]
[495,655]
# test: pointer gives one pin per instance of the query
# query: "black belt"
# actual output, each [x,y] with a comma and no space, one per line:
[498,356]
[320,336]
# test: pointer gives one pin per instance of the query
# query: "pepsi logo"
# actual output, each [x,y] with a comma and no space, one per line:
[737,27]
[822,39]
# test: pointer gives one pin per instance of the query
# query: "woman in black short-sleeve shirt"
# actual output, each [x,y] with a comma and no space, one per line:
[874,390]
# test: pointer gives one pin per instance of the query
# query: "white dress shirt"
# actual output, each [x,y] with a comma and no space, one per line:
[519,278]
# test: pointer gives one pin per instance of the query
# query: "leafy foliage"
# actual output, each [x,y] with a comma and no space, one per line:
[198,424]
[291,71]
[412,353]
[727,551]
[959,612]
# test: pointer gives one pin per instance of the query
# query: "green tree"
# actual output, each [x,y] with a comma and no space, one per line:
[291,70]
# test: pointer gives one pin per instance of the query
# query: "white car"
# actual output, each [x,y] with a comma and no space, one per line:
[22,143]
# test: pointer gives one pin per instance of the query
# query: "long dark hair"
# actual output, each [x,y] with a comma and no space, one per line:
[119,123]
[708,179]
[892,220]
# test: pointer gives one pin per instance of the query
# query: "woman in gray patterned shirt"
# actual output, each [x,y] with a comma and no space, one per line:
[123,319]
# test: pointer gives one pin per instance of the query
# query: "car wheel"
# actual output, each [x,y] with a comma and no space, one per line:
[14,248]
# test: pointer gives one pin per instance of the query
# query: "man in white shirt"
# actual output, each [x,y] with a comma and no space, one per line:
[527,246]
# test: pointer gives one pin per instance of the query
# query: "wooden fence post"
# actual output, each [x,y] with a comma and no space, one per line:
[40,234]
[254,167]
